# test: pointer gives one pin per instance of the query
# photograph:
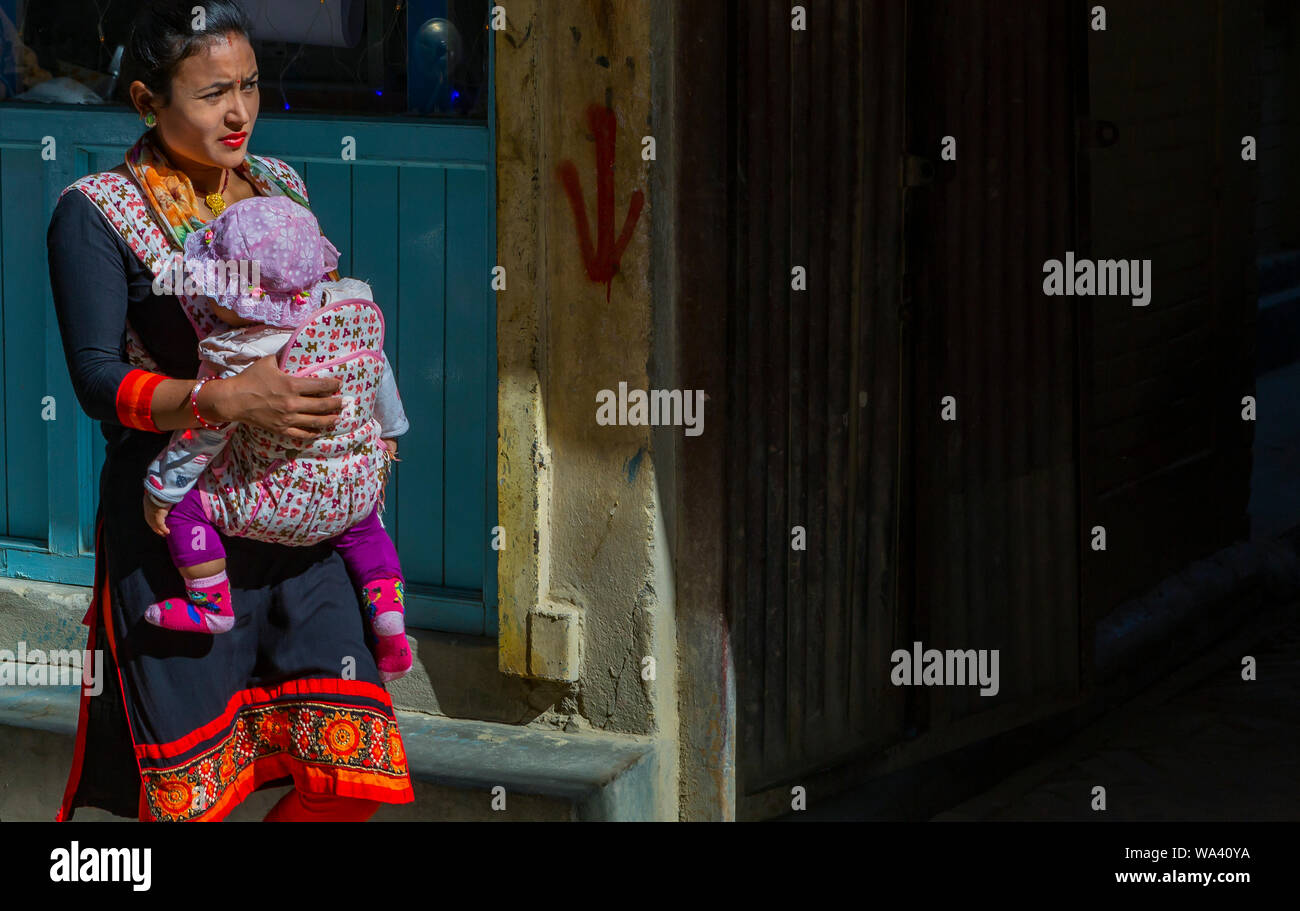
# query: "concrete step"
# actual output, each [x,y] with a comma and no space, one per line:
[455,763]
[34,769]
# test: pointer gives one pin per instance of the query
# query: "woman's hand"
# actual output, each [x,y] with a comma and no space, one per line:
[156,516]
[299,407]
[391,445]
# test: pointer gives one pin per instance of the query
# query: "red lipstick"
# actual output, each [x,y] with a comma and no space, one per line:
[234,140]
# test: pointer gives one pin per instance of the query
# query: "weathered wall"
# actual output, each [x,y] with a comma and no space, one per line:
[690,334]
[585,589]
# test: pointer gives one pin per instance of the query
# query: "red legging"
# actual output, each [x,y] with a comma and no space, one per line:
[299,807]
[296,806]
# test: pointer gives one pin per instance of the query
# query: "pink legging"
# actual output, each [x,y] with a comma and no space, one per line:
[367,550]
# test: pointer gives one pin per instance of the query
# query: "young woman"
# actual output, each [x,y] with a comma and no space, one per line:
[187,726]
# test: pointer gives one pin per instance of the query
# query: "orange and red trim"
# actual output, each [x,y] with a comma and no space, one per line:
[346,752]
[311,780]
[135,399]
[311,687]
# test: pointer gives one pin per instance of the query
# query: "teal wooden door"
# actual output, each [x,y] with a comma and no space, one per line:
[413,215]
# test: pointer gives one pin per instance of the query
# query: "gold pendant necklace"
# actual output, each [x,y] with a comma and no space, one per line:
[215,200]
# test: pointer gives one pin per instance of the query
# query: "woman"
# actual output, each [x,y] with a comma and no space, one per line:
[187,726]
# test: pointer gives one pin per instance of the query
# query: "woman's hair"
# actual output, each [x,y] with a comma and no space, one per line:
[163,34]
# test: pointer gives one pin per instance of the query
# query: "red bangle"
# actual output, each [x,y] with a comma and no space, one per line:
[134,400]
[194,404]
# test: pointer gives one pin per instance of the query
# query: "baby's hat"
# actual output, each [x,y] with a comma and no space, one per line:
[282,240]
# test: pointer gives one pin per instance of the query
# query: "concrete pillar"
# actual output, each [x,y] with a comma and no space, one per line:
[585,583]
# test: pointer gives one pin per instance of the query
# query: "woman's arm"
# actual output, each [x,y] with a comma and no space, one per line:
[89,283]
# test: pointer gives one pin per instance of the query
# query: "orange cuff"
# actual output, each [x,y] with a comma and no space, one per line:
[135,399]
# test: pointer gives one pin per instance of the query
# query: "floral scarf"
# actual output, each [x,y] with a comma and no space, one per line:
[170,194]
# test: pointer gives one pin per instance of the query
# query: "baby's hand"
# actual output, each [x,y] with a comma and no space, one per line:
[391,445]
[156,516]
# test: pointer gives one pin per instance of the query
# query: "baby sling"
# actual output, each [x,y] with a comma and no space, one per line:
[261,486]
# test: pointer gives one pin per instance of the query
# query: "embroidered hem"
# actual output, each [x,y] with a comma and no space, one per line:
[328,747]
[306,778]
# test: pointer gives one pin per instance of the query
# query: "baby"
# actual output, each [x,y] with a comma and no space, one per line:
[244,481]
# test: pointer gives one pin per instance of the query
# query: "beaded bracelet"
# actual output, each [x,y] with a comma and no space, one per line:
[194,404]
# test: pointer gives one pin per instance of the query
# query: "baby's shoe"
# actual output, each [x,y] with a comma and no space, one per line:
[205,609]
[386,612]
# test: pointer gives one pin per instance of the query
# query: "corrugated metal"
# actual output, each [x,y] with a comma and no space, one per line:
[816,136]
[1167,453]
[997,532]
[1071,411]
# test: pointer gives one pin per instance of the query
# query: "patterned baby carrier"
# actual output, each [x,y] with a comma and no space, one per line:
[261,486]
[264,488]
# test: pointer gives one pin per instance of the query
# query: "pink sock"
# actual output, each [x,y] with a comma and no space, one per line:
[386,612]
[206,609]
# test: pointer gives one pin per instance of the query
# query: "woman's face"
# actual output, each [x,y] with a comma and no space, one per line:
[214,105]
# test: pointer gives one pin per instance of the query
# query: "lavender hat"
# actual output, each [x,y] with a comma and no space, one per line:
[283,239]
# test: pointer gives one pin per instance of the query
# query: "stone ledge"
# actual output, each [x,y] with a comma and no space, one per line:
[34,771]
[45,615]
[608,776]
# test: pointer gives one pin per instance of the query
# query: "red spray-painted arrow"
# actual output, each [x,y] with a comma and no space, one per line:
[602,262]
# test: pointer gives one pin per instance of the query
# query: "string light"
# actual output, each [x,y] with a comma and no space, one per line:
[99,23]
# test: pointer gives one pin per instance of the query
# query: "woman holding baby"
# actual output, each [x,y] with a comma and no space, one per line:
[260,657]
